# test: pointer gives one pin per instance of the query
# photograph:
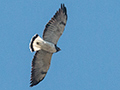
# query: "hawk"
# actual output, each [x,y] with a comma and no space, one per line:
[45,47]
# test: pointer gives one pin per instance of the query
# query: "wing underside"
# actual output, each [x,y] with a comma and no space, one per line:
[55,27]
[40,66]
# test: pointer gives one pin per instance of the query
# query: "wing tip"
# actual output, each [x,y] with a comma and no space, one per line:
[64,9]
[33,83]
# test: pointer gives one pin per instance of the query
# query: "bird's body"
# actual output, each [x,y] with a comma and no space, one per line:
[47,46]
[39,44]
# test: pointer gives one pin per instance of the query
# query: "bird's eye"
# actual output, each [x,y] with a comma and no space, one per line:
[37,43]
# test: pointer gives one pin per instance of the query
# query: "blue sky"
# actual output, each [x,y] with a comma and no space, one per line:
[90,55]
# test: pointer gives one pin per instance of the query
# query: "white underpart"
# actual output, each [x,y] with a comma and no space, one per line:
[47,46]
[39,44]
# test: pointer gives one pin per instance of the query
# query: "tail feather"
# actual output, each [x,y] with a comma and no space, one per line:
[35,43]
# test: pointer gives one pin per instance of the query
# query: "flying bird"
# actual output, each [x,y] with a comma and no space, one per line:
[45,47]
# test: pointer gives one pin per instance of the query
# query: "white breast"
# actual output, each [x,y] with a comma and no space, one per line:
[47,46]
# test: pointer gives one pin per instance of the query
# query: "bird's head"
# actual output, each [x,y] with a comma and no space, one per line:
[57,48]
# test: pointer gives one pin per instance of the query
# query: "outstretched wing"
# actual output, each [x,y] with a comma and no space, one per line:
[40,66]
[55,26]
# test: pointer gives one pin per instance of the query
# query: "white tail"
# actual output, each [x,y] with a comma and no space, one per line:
[35,43]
